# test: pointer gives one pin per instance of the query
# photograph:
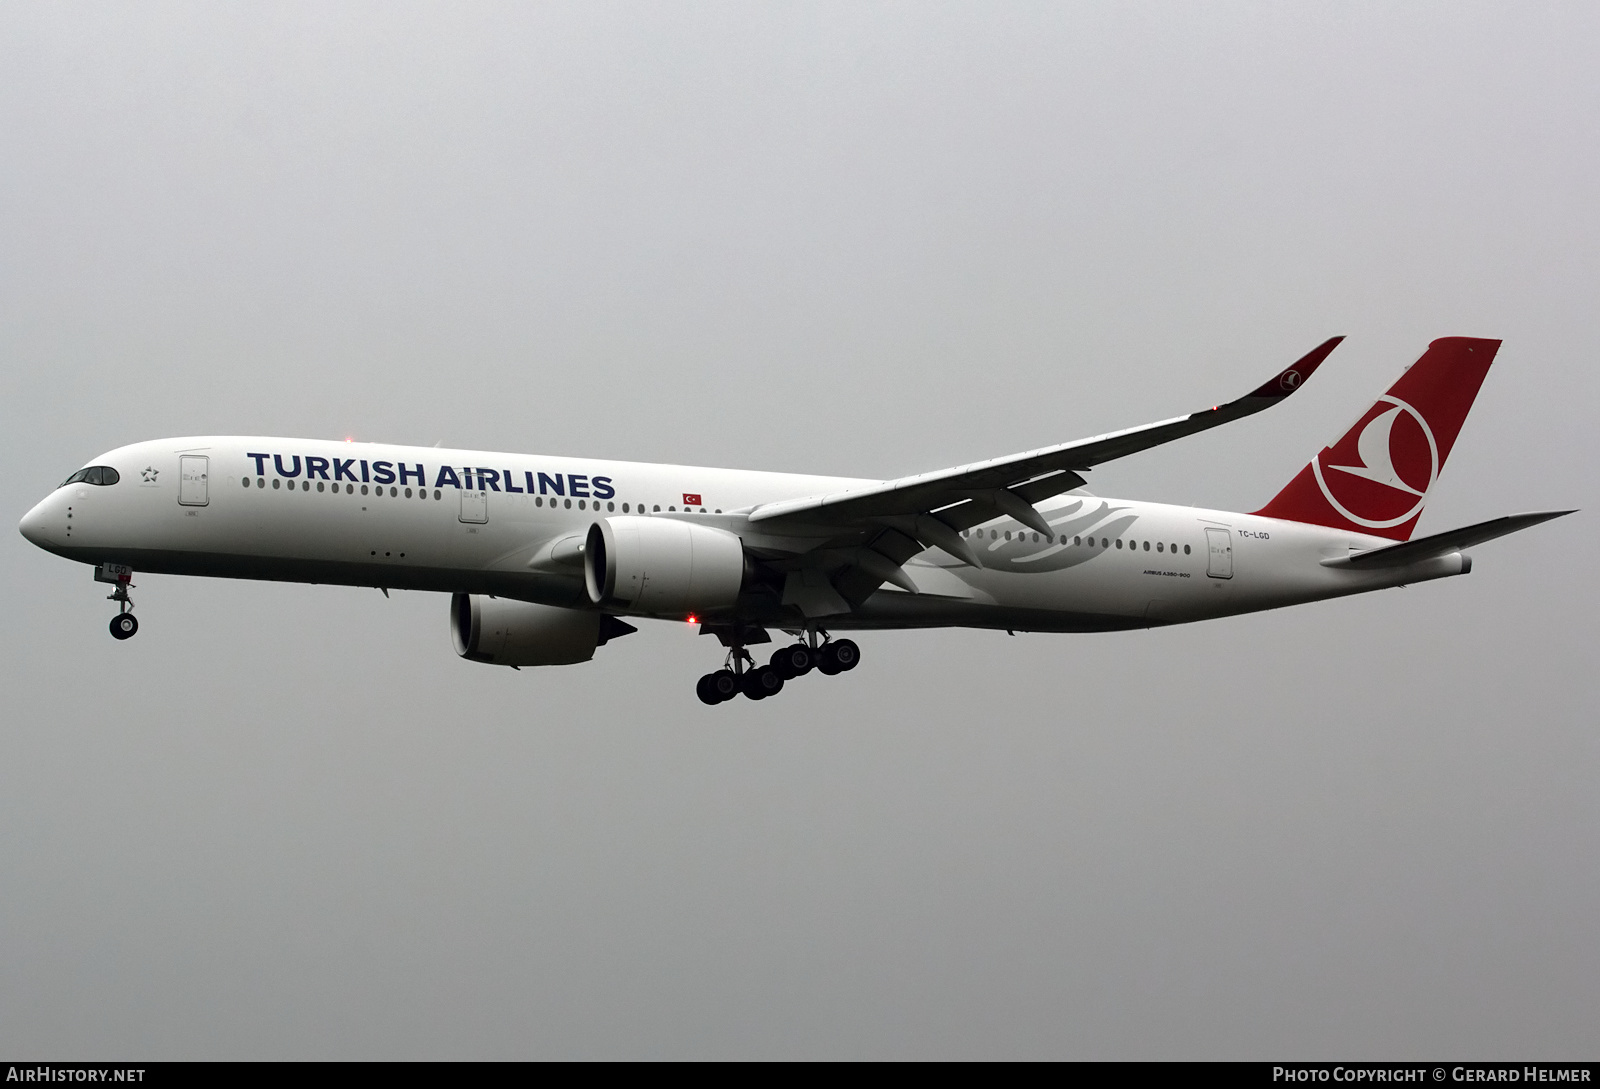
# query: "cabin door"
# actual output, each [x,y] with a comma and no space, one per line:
[474,505]
[192,480]
[1219,553]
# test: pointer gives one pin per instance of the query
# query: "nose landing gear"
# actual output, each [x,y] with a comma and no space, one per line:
[741,674]
[124,625]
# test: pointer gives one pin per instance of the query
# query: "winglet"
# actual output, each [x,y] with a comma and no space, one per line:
[1288,380]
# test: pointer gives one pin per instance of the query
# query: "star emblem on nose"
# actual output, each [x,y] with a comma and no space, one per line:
[150,474]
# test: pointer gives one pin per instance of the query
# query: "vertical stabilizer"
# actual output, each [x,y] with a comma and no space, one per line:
[1377,478]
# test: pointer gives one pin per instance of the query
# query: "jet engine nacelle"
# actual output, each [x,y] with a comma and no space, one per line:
[662,565]
[520,633]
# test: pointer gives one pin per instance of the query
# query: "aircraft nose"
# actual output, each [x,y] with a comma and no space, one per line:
[34,523]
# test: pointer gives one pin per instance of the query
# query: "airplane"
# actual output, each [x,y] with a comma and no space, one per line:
[547,559]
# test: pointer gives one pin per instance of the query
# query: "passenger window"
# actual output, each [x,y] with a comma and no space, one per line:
[276,484]
[1119,542]
[319,485]
[611,506]
[1160,547]
[1147,546]
[1008,535]
[408,491]
[656,509]
[581,506]
[1185,550]
[261,482]
[1075,540]
[363,487]
[624,508]
[567,503]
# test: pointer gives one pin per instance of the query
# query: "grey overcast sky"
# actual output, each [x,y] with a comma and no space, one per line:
[866,239]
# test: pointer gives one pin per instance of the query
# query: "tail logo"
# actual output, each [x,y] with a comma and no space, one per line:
[1289,380]
[1380,473]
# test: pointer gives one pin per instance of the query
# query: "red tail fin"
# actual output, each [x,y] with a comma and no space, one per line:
[1377,478]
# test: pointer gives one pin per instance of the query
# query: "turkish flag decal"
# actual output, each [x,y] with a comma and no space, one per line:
[691,500]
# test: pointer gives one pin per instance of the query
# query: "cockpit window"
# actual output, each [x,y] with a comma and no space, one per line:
[94,474]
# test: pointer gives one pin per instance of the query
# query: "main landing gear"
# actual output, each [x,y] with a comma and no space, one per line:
[741,674]
[124,625]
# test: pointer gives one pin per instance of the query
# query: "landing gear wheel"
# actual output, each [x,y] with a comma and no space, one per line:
[846,654]
[703,689]
[792,662]
[123,626]
[839,656]
[761,683]
[724,684]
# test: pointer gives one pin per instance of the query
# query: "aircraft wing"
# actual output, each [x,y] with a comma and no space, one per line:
[1005,484]
[880,526]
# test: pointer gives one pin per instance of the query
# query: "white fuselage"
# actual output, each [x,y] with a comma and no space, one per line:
[510,525]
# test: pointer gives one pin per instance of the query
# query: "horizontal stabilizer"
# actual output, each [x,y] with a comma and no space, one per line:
[1442,544]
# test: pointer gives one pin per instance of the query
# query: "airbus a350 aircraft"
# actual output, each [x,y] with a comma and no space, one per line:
[545,556]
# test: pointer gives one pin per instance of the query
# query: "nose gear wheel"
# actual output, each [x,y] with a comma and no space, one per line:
[124,625]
